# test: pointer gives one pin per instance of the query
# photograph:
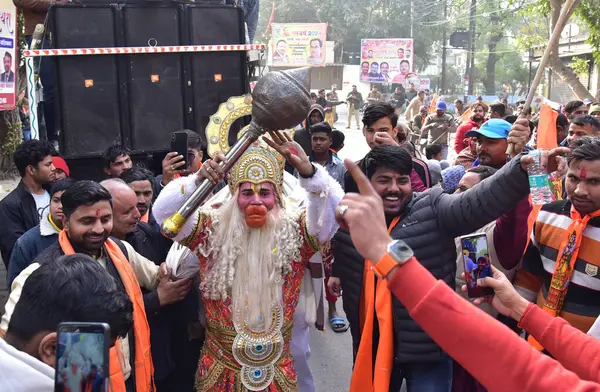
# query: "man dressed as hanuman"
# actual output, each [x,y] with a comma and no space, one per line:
[253,251]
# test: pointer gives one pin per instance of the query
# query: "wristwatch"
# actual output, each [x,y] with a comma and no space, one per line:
[398,253]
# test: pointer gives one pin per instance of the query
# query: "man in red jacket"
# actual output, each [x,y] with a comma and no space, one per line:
[478,111]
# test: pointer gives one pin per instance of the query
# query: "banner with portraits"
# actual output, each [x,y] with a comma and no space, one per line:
[298,44]
[386,60]
[8,47]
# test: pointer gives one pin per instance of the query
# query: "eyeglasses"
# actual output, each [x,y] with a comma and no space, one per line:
[191,156]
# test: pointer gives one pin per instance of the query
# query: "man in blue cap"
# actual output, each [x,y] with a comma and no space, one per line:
[491,143]
[437,126]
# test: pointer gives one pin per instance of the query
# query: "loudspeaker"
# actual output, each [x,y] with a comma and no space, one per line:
[138,100]
[217,75]
[155,81]
[87,86]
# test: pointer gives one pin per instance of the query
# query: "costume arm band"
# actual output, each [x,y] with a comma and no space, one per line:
[173,195]
[324,194]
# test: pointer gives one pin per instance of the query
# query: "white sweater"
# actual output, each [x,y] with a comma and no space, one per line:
[21,372]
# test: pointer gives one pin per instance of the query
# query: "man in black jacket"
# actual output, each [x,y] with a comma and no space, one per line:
[428,223]
[168,336]
[116,160]
[316,114]
[22,208]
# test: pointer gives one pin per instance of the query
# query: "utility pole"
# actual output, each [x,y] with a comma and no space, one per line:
[444,45]
[472,45]
[411,18]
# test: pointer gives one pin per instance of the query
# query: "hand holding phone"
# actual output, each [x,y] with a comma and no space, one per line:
[172,164]
[179,144]
[506,300]
[82,359]
[476,261]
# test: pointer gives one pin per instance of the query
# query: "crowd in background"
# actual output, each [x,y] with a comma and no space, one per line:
[428,202]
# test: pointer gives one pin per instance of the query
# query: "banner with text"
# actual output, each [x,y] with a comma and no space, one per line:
[8,44]
[299,44]
[386,60]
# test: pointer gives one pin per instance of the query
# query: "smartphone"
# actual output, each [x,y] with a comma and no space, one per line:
[82,357]
[476,261]
[179,144]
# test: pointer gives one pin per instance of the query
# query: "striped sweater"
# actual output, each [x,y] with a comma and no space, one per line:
[582,301]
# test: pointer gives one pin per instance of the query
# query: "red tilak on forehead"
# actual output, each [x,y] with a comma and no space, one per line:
[98,212]
[293,151]
[583,173]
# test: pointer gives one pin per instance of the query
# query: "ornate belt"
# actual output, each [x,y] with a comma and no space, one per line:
[256,354]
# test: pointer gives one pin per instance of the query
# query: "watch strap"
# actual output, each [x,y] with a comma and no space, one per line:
[314,171]
[385,265]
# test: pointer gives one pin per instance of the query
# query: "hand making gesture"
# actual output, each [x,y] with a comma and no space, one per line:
[295,155]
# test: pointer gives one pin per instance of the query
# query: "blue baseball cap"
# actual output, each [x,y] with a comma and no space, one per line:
[494,129]
[440,106]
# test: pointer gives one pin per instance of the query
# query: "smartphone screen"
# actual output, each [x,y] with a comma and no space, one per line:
[476,260]
[82,357]
[179,144]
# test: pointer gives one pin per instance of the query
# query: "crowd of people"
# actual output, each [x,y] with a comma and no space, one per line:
[227,305]
[537,252]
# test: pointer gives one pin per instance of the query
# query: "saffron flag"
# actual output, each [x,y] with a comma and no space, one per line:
[433,103]
[466,116]
[271,18]
[546,130]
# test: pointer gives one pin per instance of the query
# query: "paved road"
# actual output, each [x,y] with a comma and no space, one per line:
[331,356]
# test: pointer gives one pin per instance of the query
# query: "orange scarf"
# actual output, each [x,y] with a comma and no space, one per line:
[364,379]
[144,218]
[564,266]
[144,369]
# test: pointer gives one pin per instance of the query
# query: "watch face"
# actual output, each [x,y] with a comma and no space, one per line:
[400,250]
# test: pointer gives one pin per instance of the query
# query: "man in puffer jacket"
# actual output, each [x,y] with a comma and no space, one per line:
[428,222]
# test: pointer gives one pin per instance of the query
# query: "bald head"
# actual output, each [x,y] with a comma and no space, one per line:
[125,213]
[113,183]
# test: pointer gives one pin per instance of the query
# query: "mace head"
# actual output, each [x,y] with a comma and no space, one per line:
[281,99]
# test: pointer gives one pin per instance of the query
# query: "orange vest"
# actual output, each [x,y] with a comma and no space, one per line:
[144,218]
[144,369]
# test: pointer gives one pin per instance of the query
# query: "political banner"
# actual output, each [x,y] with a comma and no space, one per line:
[386,60]
[299,44]
[416,81]
[8,44]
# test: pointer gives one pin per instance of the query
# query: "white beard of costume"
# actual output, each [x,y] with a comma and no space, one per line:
[249,264]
